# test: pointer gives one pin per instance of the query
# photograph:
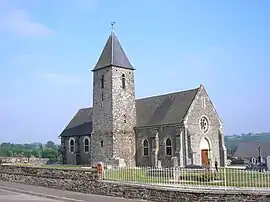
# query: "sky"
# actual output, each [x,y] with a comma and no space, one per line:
[48,49]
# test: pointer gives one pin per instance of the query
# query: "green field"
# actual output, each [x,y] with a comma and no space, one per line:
[225,177]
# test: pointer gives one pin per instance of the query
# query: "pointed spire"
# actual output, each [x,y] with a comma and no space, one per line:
[113,54]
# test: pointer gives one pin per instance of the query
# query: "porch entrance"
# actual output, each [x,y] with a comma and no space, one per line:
[205,152]
[204,156]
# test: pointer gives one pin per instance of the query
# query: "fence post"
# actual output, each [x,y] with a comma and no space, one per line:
[100,170]
[174,175]
[225,177]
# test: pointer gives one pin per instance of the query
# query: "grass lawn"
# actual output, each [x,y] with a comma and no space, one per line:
[225,177]
[243,178]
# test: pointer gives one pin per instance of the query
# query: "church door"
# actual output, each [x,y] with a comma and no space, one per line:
[204,156]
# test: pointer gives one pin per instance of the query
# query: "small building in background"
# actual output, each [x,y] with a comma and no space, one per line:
[250,152]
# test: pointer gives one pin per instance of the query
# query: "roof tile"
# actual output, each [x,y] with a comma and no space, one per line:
[156,110]
[113,55]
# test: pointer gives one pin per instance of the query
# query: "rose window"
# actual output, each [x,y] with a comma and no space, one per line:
[204,124]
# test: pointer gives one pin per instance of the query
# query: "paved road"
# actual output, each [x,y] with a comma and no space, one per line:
[15,192]
[8,196]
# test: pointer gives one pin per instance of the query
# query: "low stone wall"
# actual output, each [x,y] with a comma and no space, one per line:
[23,160]
[87,181]
[38,172]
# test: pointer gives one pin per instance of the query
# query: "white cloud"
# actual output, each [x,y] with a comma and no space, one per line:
[18,22]
[62,78]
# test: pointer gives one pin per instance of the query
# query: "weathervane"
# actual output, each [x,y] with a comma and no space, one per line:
[112,26]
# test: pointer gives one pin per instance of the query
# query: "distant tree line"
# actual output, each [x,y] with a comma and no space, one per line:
[50,150]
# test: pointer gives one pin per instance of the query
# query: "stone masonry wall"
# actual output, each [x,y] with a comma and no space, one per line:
[86,181]
[102,117]
[85,158]
[149,134]
[114,116]
[124,115]
[198,110]
[23,160]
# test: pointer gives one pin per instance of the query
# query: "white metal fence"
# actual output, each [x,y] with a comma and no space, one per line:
[223,178]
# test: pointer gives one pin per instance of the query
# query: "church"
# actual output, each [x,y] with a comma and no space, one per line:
[141,132]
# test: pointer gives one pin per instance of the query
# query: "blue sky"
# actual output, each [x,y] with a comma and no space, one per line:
[47,49]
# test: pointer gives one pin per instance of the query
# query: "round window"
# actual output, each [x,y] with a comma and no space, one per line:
[204,125]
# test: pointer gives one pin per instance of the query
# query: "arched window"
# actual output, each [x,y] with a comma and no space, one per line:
[145,147]
[168,147]
[123,81]
[72,145]
[86,145]
[102,81]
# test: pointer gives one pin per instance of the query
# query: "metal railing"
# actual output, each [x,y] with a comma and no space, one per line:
[223,178]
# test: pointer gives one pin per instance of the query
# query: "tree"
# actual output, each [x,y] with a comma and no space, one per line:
[51,154]
[40,146]
[3,152]
[29,146]
[51,145]
[6,145]
[27,153]
[27,150]
[36,153]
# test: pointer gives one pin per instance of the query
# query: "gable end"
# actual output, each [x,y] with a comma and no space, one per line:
[208,110]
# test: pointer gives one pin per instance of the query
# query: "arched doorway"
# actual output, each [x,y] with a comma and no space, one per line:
[205,148]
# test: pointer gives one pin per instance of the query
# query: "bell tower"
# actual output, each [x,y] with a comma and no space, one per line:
[114,110]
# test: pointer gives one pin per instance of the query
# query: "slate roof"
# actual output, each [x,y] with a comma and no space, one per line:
[250,149]
[164,109]
[80,124]
[113,55]
[158,110]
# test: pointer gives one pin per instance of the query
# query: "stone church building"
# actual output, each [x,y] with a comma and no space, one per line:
[141,132]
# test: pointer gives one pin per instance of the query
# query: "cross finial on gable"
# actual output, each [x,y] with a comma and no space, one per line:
[201,86]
